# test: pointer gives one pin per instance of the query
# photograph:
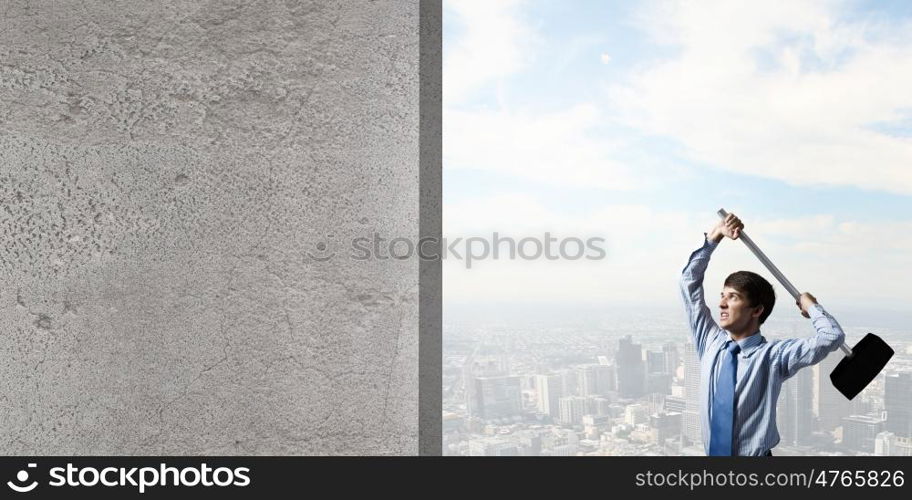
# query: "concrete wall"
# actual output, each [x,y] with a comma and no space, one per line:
[171,175]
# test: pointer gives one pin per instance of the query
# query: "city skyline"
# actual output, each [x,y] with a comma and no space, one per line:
[569,391]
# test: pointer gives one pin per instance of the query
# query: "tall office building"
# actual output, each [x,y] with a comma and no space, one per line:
[631,371]
[655,362]
[658,383]
[830,406]
[655,402]
[672,359]
[859,433]
[497,397]
[572,409]
[795,412]
[691,395]
[675,404]
[636,414]
[604,379]
[898,403]
[485,361]
[666,425]
[599,406]
[569,382]
[587,380]
[548,389]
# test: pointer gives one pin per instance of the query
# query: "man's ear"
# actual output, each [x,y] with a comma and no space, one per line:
[758,311]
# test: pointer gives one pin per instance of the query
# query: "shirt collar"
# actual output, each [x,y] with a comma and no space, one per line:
[750,344]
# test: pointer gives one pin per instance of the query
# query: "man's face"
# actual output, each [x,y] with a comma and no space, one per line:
[735,311]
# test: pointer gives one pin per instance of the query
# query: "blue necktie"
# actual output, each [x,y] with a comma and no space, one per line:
[723,403]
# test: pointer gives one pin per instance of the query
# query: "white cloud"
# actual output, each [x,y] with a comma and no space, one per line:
[840,261]
[494,44]
[556,148]
[843,262]
[560,147]
[778,89]
[645,249]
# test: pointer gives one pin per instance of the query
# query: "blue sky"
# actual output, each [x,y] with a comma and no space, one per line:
[637,120]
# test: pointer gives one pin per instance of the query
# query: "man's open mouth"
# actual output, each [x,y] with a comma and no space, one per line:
[723,315]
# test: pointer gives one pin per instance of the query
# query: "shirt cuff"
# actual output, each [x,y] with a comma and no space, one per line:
[815,311]
[708,242]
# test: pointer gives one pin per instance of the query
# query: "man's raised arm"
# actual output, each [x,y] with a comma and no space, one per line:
[702,325]
[795,354]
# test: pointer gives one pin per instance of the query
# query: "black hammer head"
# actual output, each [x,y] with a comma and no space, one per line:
[853,374]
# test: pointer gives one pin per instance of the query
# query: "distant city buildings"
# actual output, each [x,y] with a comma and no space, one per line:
[631,397]
[887,444]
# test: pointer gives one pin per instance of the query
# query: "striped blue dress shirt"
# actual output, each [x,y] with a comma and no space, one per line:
[762,365]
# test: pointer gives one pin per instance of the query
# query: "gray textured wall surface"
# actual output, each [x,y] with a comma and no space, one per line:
[171,174]
[430,227]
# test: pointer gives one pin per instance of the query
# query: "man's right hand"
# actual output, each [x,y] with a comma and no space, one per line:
[731,226]
[804,302]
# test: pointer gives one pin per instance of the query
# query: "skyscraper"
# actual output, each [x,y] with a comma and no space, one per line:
[898,403]
[795,413]
[655,362]
[658,383]
[605,381]
[675,404]
[485,361]
[587,380]
[671,358]
[572,409]
[548,388]
[658,378]
[636,414]
[498,397]
[859,432]
[830,406]
[569,382]
[667,425]
[691,395]
[631,371]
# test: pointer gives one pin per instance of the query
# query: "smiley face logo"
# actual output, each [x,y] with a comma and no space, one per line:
[22,476]
[323,250]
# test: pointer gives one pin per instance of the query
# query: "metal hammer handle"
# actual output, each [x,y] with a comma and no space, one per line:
[774,270]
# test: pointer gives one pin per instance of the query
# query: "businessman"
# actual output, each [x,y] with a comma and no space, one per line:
[741,372]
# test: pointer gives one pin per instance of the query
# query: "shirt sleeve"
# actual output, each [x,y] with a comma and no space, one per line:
[702,325]
[795,354]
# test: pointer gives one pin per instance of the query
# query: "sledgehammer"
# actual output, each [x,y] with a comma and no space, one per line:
[860,364]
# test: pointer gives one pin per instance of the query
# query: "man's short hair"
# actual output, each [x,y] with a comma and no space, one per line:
[756,289]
